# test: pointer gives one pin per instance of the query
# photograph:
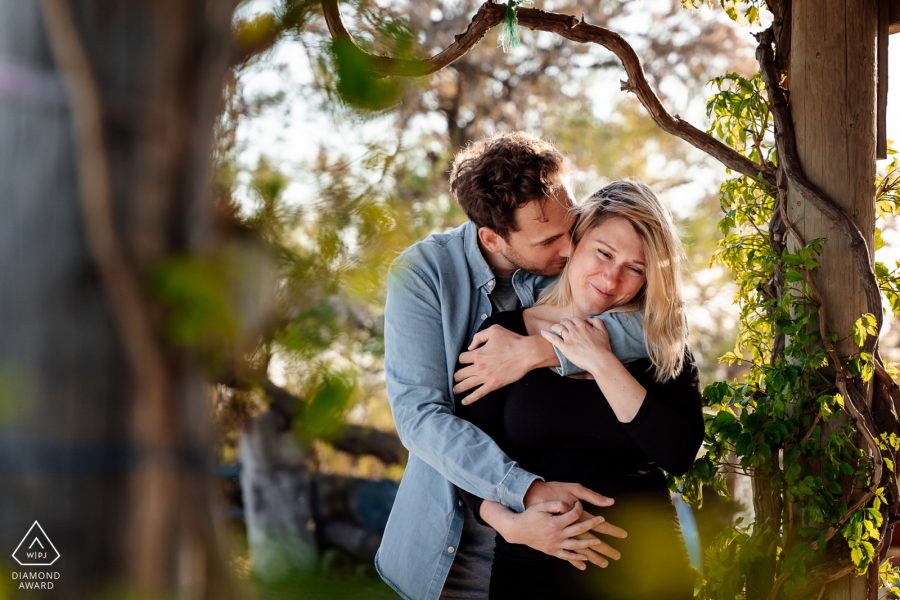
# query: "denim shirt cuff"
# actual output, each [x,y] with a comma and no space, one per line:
[566,367]
[513,487]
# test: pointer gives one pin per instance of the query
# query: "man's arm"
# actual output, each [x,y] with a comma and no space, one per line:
[497,357]
[416,375]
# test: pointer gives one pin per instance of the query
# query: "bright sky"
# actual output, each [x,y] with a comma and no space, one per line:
[893,108]
[290,140]
[891,252]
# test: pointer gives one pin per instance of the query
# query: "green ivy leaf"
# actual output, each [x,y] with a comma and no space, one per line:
[864,327]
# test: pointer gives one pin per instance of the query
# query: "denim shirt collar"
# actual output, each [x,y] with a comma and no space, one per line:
[482,276]
[479,271]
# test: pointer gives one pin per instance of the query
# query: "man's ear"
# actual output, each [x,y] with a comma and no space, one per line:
[491,240]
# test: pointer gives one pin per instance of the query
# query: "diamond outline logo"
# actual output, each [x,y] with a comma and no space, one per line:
[36,538]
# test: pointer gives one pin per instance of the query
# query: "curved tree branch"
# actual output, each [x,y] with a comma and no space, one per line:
[489,15]
[579,31]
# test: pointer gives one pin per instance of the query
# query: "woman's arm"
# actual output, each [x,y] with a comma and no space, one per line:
[498,356]
[550,522]
[586,342]
[664,419]
[669,425]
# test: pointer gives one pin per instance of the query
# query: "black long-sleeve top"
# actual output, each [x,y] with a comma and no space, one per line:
[563,429]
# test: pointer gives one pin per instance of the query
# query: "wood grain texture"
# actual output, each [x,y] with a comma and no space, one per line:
[833,105]
[832,97]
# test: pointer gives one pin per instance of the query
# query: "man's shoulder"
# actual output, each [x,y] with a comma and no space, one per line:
[435,251]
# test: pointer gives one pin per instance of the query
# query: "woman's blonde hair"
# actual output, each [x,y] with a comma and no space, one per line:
[665,331]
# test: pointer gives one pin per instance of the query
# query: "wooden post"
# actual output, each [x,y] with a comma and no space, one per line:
[833,62]
[833,104]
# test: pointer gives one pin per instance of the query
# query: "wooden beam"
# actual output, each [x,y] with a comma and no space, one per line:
[885,15]
[894,26]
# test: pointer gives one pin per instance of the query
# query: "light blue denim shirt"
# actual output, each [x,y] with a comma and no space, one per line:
[437,299]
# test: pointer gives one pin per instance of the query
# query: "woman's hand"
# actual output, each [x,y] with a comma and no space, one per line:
[584,341]
[552,529]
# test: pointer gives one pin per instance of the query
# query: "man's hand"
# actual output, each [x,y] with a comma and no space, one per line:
[597,549]
[546,493]
[497,357]
[569,493]
[552,529]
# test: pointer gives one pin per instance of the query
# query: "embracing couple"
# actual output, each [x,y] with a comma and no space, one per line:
[538,373]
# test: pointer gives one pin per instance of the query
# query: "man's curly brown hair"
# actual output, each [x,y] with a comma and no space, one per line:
[494,176]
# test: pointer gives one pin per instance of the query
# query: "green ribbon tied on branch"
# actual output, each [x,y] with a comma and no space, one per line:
[509,30]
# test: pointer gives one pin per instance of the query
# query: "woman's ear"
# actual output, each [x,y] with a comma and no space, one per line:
[490,239]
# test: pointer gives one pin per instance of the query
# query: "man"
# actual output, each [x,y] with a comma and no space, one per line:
[439,291]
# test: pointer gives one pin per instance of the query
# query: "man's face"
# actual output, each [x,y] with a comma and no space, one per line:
[542,243]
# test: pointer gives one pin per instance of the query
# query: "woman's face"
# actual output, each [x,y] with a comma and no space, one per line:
[607,268]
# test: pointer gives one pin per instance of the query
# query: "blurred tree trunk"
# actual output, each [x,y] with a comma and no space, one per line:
[278,494]
[832,83]
[292,511]
[113,470]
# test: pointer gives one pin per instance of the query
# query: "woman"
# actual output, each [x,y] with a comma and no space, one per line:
[616,429]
